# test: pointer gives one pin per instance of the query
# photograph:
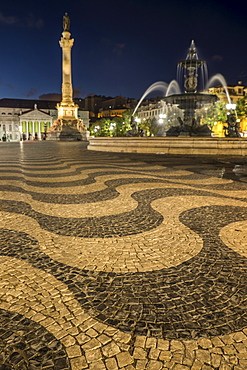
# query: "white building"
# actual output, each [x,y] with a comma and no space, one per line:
[151,110]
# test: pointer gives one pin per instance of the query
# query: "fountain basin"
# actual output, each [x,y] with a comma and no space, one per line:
[190,100]
[170,145]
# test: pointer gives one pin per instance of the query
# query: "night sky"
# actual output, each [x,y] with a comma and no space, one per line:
[121,47]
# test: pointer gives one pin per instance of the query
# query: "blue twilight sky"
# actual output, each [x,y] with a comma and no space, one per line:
[121,46]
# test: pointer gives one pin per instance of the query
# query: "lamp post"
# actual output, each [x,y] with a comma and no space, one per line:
[232,121]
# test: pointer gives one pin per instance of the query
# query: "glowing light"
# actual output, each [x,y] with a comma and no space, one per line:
[230,106]
[112,125]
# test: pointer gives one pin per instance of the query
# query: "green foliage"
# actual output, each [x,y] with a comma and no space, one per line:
[116,126]
[100,127]
[241,108]
[216,112]
[149,126]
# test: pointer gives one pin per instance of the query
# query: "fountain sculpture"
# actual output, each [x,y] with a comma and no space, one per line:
[190,101]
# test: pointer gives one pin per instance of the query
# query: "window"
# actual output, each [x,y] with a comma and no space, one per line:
[10,127]
[4,128]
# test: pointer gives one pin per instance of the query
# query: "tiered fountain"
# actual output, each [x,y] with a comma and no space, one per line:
[190,101]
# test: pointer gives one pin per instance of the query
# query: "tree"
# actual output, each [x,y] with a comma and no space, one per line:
[101,127]
[122,124]
[149,126]
[241,108]
[115,126]
[216,112]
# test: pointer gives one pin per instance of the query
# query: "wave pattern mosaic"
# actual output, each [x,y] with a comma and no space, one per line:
[121,261]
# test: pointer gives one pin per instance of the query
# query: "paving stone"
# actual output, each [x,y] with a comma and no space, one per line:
[205,343]
[124,359]
[141,364]
[93,355]
[215,360]
[203,356]
[111,364]
[154,353]
[97,365]
[78,363]
[239,337]
[110,349]
[154,365]
[73,351]
[139,353]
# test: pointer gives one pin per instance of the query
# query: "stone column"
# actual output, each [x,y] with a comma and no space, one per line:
[66,44]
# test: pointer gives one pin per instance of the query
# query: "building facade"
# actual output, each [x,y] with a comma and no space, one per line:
[235,92]
[107,107]
[151,109]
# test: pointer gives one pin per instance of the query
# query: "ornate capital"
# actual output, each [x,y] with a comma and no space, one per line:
[66,43]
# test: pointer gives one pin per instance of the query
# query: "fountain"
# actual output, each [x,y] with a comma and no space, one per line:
[182,114]
[190,101]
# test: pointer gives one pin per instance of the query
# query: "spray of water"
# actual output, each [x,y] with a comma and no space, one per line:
[159,85]
[173,88]
[218,77]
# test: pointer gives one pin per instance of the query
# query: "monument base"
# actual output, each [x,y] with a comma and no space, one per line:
[68,130]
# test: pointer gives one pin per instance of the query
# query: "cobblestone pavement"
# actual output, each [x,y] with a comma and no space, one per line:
[121,261]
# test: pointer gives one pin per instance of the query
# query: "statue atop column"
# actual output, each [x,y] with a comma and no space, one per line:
[66,22]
